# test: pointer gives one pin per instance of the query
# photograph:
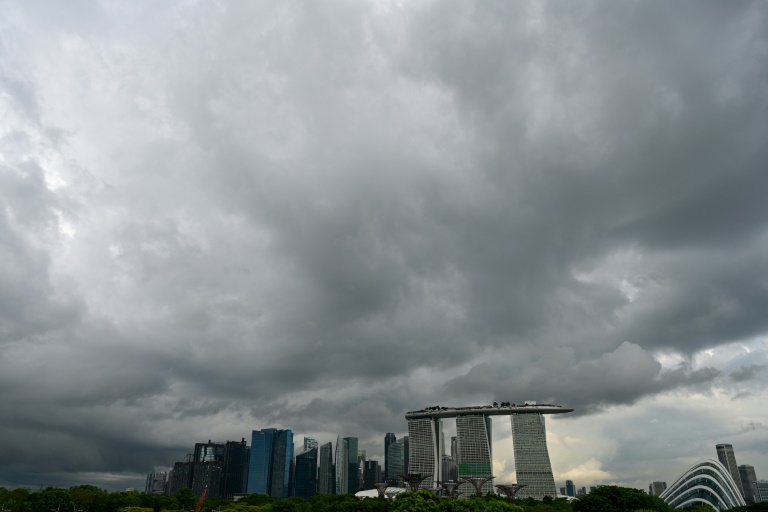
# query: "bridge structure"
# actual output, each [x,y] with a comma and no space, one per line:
[474,447]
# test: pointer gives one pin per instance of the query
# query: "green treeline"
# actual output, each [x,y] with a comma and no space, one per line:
[88,498]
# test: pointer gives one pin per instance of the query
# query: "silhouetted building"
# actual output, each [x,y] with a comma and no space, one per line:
[182,477]
[728,459]
[325,472]
[371,474]
[155,483]
[749,483]
[388,440]
[656,488]
[353,478]
[234,468]
[305,479]
[206,474]
[570,489]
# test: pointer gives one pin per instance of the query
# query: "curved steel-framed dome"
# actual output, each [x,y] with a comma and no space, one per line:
[707,482]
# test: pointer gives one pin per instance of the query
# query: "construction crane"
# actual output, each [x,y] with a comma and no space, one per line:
[202,499]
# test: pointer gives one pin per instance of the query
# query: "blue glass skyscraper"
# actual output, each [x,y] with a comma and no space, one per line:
[269,470]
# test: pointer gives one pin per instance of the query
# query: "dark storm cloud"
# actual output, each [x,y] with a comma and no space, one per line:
[320,216]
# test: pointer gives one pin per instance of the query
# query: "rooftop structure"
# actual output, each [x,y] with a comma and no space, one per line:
[474,457]
[505,409]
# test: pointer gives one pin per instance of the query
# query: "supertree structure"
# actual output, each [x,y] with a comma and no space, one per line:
[510,489]
[477,482]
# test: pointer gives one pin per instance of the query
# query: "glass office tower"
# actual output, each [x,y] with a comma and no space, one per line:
[306,474]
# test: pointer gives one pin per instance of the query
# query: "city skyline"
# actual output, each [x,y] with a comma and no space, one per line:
[220,217]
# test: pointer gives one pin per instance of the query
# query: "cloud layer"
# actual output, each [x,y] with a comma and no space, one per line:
[224,217]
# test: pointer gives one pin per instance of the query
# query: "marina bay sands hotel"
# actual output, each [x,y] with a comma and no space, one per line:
[473,443]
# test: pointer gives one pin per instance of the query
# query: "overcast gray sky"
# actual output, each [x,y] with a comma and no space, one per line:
[225,216]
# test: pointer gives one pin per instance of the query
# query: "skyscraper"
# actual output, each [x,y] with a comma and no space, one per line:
[341,466]
[280,484]
[656,488]
[353,479]
[424,453]
[388,440]
[309,443]
[762,490]
[234,468]
[532,464]
[473,443]
[325,474]
[271,458]
[155,483]
[396,457]
[570,489]
[749,483]
[371,474]
[305,480]
[728,459]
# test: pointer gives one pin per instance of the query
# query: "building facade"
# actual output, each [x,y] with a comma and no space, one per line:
[353,466]
[570,488]
[270,465]
[749,483]
[234,468]
[305,479]
[706,483]
[371,474]
[389,438]
[325,473]
[425,449]
[341,466]
[473,445]
[396,457]
[155,483]
[656,488]
[728,459]
[529,438]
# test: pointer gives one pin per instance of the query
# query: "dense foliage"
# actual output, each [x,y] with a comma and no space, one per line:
[87,498]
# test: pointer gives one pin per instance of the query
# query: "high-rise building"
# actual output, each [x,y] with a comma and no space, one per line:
[762,490]
[155,483]
[206,475]
[406,455]
[233,477]
[749,483]
[182,477]
[396,458]
[305,480]
[341,466]
[532,464]
[473,443]
[449,469]
[371,474]
[570,489]
[325,474]
[425,449]
[353,466]
[309,443]
[388,440]
[728,459]
[270,464]
[656,488]
[209,452]
[562,491]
